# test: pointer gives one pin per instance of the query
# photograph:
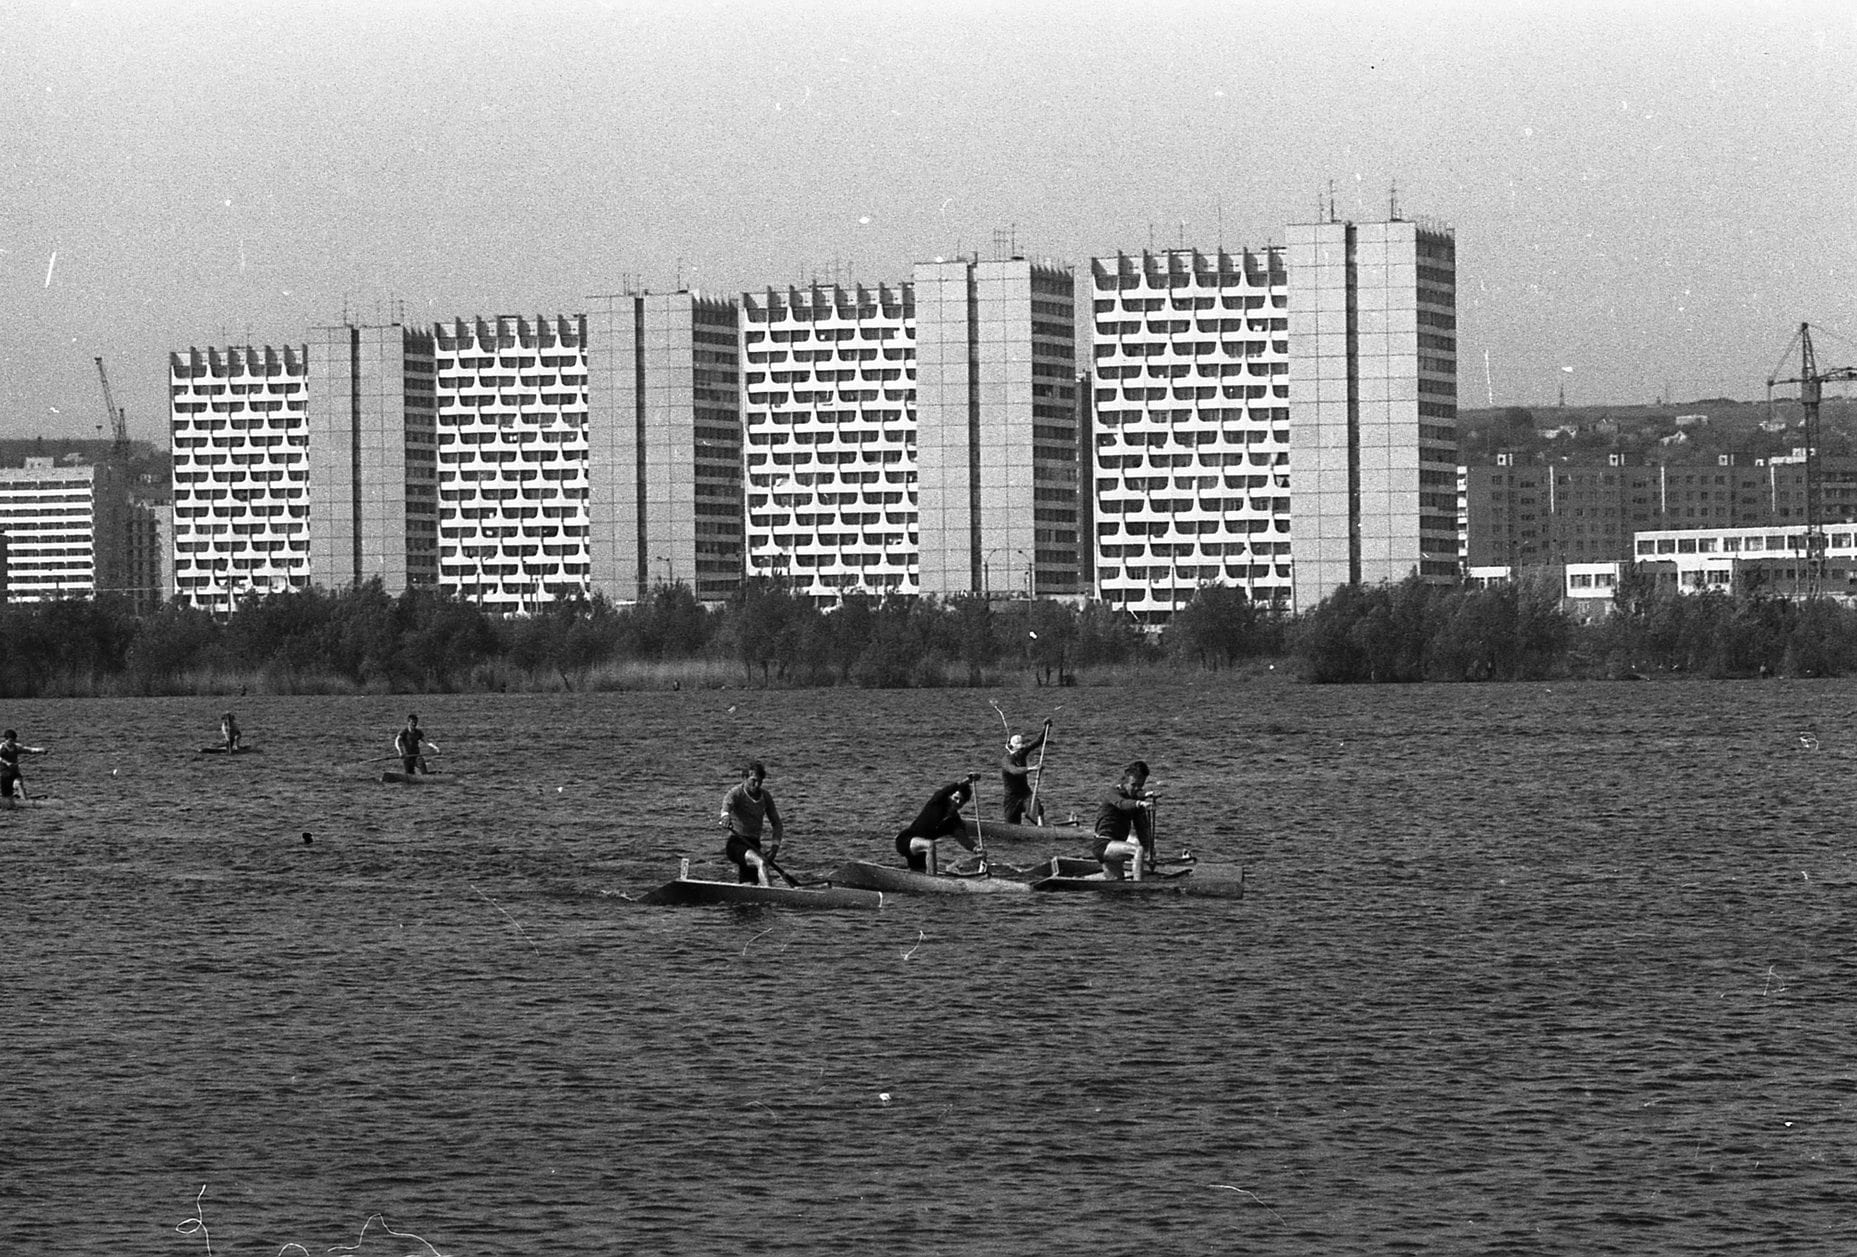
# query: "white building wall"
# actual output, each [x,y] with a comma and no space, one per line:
[512,459]
[995,364]
[828,388]
[48,515]
[239,439]
[1372,404]
[1192,464]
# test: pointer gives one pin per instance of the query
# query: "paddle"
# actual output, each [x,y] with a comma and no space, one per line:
[1033,812]
[980,838]
[769,861]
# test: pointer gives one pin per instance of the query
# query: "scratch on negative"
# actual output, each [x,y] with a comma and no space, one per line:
[751,942]
[921,938]
[1254,1196]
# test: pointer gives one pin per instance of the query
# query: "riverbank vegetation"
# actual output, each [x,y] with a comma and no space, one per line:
[363,640]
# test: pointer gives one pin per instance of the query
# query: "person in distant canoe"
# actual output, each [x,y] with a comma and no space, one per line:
[1015,774]
[748,810]
[410,743]
[939,818]
[1125,823]
[229,733]
[11,781]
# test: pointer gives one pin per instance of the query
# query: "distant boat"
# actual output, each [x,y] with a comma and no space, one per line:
[237,750]
[395,777]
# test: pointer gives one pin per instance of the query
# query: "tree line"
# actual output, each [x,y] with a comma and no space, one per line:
[363,639]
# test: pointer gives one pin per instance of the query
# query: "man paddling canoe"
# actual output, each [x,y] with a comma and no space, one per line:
[939,818]
[745,811]
[10,751]
[1021,805]
[1129,808]
[229,733]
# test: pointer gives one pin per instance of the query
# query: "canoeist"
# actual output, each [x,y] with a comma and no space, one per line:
[939,818]
[11,781]
[1130,807]
[745,810]
[409,744]
[1021,804]
[229,732]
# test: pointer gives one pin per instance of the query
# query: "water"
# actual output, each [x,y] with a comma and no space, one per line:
[1522,969]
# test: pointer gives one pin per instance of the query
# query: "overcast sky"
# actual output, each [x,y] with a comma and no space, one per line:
[1648,198]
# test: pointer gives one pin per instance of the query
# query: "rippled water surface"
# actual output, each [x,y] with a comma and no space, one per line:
[1521,969]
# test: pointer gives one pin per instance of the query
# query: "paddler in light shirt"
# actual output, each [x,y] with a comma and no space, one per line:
[746,810]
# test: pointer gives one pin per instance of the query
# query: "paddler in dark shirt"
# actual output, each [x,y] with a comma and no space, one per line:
[1128,809]
[1021,806]
[746,810]
[939,818]
[10,751]
[410,744]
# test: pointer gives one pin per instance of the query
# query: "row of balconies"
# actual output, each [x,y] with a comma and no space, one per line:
[1194,573]
[1183,525]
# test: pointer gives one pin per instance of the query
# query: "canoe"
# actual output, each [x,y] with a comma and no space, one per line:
[990,830]
[1083,866]
[888,877]
[1071,875]
[396,777]
[683,889]
[220,750]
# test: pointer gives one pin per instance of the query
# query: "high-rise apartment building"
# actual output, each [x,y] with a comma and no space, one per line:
[1373,404]
[240,444]
[1191,465]
[829,413]
[512,459]
[664,500]
[373,465]
[996,419]
[65,529]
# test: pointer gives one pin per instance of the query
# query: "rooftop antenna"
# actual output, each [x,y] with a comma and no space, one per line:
[1221,203]
[1331,202]
[1392,201]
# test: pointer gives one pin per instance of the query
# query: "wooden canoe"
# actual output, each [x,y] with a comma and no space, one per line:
[683,890]
[1168,880]
[221,750]
[909,882]
[989,830]
[398,778]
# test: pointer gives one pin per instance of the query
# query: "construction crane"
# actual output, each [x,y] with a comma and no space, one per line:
[119,421]
[1811,381]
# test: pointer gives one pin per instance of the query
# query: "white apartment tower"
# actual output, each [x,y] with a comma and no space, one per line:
[829,413]
[996,418]
[1373,404]
[1190,477]
[65,531]
[373,457]
[664,490]
[240,443]
[512,459]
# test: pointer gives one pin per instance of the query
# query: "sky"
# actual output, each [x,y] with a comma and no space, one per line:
[1648,198]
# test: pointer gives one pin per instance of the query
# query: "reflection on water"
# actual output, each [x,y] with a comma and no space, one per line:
[1536,968]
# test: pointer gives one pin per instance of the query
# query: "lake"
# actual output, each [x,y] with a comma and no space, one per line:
[1522,968]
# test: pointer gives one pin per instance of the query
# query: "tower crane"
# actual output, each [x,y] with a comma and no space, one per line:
[119,422]
[1811,381]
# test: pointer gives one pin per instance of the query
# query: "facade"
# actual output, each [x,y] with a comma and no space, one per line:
[511,426]
[996,419]
[239,438]
[829,414]
[373,466]
[664,489]
[1575,510]
[1190,471]
[1776,557]
[1373,404]
[65,530]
